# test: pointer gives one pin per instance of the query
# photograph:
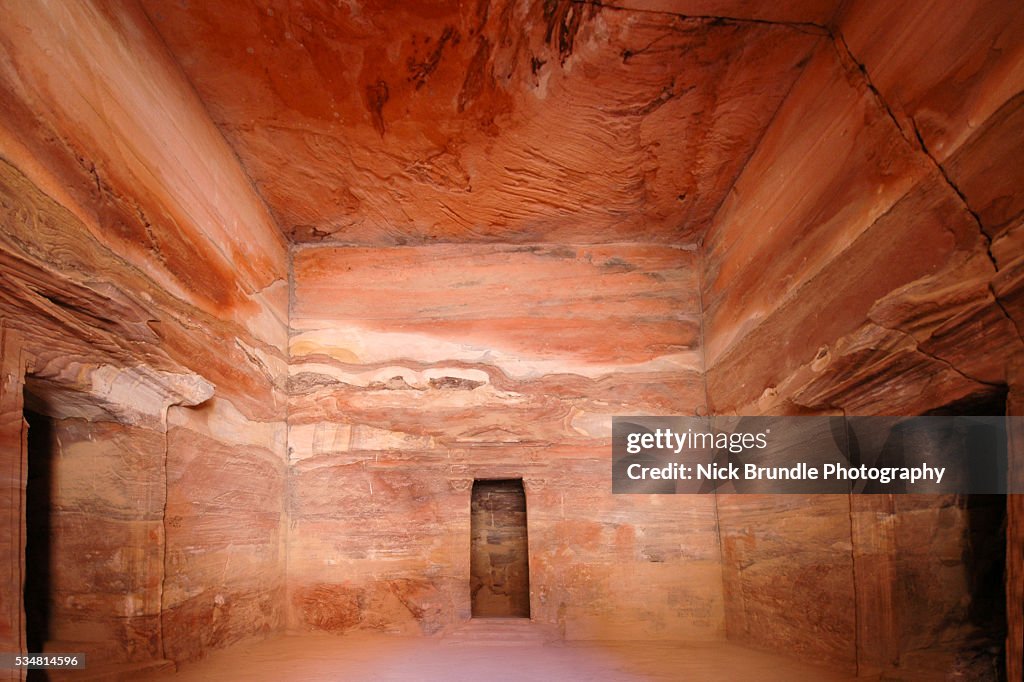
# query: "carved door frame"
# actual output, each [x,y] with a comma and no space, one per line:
[13,470]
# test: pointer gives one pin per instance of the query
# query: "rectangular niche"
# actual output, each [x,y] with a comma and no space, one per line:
[499,561]
[38,594]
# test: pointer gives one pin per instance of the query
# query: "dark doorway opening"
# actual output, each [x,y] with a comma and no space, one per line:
[983,651]
[38,510]
[499,562]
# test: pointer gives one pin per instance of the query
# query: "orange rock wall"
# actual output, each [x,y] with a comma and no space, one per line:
[864,260]
[867,261]
[12,492]
[416,370]
[498,121]
[225,527]
[788,573]
[144,276]
[1015,531]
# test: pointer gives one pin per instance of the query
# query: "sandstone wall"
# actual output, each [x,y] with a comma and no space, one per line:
[12,492]
[225,527]
[144,276]
[867,261]
[502,121]
[416,370]
[1015,531]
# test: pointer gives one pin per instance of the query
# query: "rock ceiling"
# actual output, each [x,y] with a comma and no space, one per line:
[390,122]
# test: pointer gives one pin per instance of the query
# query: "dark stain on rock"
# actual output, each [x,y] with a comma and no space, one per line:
[454,383]
[564,18]
[304,382]
[483,10]
[558,251]
[377,96]
[618,264]
[420,70]
[476,74]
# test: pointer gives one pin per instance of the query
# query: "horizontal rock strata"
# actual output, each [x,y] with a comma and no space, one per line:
[416,370]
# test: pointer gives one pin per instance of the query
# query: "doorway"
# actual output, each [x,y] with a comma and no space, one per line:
[38,510]
[499,561]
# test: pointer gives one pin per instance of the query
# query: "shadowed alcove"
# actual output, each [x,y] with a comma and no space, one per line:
[499,563]
[38,593]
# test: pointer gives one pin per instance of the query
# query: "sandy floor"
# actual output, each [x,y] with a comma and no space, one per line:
[315,658]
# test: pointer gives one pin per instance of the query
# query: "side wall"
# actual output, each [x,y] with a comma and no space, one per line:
[416,370]
[145,276]
[869,261]
[12,493]
[1015,530]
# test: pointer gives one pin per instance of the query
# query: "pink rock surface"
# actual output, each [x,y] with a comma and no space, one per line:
[384,123]
[417,369]
[284,279]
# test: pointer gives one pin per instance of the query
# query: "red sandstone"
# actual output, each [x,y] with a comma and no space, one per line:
[281,280]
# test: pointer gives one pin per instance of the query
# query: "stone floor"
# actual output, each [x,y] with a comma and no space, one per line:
[315,658]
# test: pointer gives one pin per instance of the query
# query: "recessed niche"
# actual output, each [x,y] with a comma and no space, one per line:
[499,556]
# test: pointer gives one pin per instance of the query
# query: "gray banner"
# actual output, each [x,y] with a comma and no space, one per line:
[664,455]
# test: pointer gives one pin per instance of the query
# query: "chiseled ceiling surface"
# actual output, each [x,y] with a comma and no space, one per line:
[381,122]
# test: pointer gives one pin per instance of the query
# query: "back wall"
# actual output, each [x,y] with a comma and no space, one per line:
[415,370]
